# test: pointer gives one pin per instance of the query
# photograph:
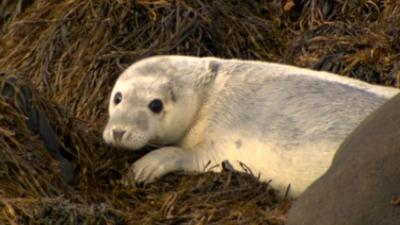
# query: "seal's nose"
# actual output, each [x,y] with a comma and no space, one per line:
[117,134]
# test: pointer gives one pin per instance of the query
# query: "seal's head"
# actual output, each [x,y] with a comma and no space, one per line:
[154,101]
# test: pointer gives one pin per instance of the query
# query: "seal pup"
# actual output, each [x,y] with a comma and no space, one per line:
[281,123]
[362,185]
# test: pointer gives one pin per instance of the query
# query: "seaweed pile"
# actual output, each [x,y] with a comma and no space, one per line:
[59,60]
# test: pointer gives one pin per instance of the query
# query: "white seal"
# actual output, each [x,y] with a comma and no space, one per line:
[279,122]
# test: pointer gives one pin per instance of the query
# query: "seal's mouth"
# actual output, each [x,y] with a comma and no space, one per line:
[125,138]
[126,146]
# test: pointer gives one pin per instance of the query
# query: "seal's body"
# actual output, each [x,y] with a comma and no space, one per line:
[279,122]
[362,186]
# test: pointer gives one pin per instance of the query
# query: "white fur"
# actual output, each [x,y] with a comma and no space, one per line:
[282,122]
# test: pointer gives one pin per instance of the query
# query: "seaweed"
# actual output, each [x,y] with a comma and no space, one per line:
[67,54]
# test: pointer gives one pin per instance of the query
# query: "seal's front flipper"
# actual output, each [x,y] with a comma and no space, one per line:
[165,160]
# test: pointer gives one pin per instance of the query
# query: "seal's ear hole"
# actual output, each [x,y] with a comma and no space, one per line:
[156,106]
[117,98]
[172,94]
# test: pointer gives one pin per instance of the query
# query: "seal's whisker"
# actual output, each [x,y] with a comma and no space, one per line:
[154,145]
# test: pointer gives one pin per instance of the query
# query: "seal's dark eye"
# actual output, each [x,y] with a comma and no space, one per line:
[156,106]
[117,98]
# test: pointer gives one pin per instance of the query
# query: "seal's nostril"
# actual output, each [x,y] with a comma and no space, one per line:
[117,134]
